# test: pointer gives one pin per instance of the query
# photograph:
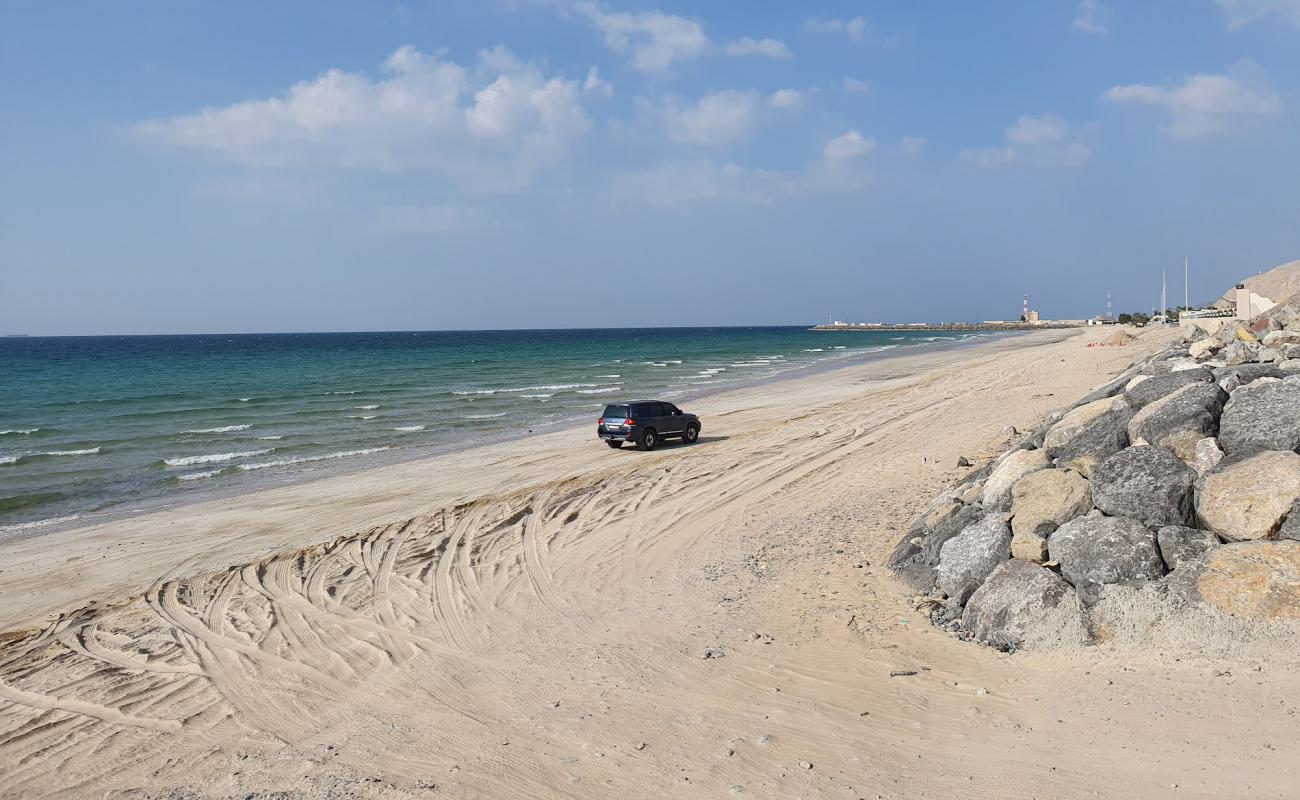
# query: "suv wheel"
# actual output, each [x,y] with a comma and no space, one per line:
[692,433]
[614,443]
[647,440]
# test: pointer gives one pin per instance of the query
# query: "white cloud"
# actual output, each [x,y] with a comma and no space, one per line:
[785,98]
[857,29]
[849,145]
[856,86]
[1206,104]
[913,145]
[771,48]
[593,85]
[653,39]
[1039,141]
[716,119]
[1243,12]
[489,133]
[1046,129]
[1093,16]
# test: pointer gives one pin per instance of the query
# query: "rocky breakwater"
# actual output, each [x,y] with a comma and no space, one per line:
[1180,477]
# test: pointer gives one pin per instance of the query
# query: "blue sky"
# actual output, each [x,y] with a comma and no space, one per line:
[190,167]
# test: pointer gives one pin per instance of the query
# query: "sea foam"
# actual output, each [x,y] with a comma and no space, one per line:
[214,458]
[284,462]
[222,429]
[40,523]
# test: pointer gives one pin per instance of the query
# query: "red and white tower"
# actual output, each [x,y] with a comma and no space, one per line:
[1024,317]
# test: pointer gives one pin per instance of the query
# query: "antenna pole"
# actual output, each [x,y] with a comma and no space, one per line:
[1186,304]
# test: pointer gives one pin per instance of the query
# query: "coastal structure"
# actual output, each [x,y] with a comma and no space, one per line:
[1030,319]
[986,325]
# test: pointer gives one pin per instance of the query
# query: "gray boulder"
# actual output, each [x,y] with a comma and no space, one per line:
[1264,415]
[1181,544]
[916,554]
[1270,355]
[1239,353]
[1100,437]
[946,528]
[1101,550]
[969,557]
[1249,497]
[1070,424]
[1149,484]
[1208,455]
[997,489]
[1155,388]
[1179,420]
[1016,597]
[1107,389]
[1245,373]
[907,563]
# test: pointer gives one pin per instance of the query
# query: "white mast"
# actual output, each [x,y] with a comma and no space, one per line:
[1163,302]
[1186,304]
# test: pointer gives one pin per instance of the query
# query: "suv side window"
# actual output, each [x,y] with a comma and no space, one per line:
[649,410]
[670,409]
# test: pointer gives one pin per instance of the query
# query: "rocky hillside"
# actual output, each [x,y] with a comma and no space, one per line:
[1181,476]
[1281,281]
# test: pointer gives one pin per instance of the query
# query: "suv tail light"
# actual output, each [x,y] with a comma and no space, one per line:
[600,421]
[629,422]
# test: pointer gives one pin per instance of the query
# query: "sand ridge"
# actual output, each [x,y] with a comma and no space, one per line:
[529,620]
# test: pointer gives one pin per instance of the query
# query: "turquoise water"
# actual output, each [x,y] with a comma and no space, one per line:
[100,425]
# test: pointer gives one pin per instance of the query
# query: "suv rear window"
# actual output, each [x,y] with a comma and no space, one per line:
[616,412]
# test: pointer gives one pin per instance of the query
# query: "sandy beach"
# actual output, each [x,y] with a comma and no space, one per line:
[551,618]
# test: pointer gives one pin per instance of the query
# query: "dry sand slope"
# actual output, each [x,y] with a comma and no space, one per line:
[548,641]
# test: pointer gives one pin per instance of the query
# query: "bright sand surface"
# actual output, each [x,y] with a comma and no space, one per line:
[528,620]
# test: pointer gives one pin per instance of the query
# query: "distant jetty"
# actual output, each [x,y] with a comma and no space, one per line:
[949,326]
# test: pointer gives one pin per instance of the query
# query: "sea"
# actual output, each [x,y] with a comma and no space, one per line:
[93,427]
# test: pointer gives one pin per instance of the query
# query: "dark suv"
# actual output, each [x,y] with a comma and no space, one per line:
[645,422]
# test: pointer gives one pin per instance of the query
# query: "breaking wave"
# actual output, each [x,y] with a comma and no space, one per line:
[214,458]
[284,462]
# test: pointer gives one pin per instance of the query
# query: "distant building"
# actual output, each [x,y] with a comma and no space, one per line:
[1246,305]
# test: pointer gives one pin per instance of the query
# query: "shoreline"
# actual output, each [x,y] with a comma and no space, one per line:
[159,541]
[130,508]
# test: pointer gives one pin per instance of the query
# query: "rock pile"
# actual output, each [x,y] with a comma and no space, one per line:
[1181,474]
